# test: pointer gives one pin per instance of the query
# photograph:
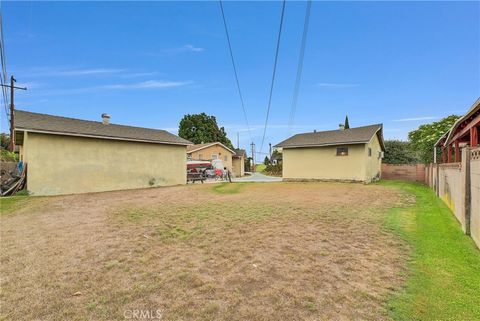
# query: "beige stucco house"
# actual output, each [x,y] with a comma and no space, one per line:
[211,151]
[68,156]
[353,154]
[238,162]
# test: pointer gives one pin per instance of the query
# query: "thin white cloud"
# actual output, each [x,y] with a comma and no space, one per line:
[140,74]
[65,72]
[149,84]
[144,85]
[193,48]
[335,85]
[59,71]
[177,50]
[416,118]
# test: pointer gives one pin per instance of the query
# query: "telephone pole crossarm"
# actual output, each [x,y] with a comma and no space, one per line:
[11,145]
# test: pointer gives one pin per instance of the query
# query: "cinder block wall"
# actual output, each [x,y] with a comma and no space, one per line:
[404,172]
[475,193]
[452,184]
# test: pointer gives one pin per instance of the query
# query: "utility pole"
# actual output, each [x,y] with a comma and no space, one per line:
[253,156]
[270,152]
[12,87]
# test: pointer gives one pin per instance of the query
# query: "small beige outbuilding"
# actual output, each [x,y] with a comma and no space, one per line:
[238,162]
[69,156]
[353,154]
[211,151]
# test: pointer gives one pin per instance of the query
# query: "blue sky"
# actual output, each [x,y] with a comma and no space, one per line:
[147,64]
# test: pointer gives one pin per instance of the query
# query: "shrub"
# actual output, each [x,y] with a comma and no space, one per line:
[274,170]
[7,156]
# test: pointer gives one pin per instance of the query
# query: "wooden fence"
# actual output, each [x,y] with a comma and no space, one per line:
[404,172]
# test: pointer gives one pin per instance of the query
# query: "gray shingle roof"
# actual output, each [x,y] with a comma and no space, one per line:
[35,122]
[358,135]
[240,152]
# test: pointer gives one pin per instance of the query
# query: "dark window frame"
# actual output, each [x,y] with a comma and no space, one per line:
[342,151]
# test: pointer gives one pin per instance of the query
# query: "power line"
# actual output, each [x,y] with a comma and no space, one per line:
[235,69]
[3,75]
[298,79]
[273,75]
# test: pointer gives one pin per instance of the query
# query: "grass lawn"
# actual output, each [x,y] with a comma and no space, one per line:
[276,251]
[260,167]
[444,282]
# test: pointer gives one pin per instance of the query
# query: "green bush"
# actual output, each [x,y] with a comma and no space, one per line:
[400,152]
[7,156]
[274,170]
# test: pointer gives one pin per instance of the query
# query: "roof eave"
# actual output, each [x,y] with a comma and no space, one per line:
[100,136]
[322,145]
[469,113]
[206,146]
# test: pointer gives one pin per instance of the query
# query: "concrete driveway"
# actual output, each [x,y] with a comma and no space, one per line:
[257,177]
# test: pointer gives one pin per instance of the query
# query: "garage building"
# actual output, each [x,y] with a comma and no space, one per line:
[69,156]
[353,154]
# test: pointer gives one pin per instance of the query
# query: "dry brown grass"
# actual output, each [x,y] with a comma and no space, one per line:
[278,251]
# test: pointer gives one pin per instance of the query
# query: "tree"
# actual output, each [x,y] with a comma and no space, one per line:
[346,125]
[425,136]
[202,128]
[266,161]
[4,140]
[399,152]
[248,164]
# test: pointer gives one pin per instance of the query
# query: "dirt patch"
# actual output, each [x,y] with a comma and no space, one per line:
[278,251]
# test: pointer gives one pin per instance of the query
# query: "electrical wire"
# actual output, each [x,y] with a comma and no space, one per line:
[235,70]
[3,74]
[273,75]
[301,56]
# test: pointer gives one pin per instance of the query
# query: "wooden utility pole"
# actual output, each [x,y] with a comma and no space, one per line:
[253,156]
[270,152]
[12,87]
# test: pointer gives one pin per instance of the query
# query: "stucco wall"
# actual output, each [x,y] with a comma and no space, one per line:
[238,164]
[69,165]
[322,163]
[373,162]
[206,154]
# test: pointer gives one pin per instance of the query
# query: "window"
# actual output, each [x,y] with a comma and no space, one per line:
[214,156]
[200,156]
[225,158]
[342,151]
[369,152]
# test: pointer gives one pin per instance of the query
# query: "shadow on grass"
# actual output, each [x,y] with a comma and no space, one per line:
[444,279]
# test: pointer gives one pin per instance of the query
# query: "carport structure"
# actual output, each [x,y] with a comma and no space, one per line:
[463,133]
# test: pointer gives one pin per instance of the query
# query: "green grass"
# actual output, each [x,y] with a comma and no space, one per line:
[260,168]
[228,188]
[9,204]
[444,278]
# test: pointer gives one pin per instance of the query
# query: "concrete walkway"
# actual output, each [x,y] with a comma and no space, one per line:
[257,177]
